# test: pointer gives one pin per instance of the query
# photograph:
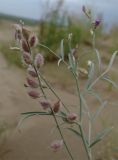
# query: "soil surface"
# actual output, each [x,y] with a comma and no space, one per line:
[31,140]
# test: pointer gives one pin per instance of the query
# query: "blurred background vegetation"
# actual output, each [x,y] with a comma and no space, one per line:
[54,26]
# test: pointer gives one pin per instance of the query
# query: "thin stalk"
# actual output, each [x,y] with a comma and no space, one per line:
[93,40]
[94,48]
[54,116]
[71,72]
[89,120]
[79,94]
[80,100]
[84,142]
[55,119]
[89,138]
[53,91]
[59,129]
[89,134]
[40,82]
[53,53]
[97,79]
[80,111]
[80,125]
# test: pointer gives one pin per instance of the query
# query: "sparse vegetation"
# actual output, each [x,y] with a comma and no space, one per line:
[50,33]
[37,86]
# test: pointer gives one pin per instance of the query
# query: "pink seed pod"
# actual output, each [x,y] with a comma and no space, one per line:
[56,145]
[18,35]
[27,58]
[26,33]
[45,104]
[31,71]
[57,106]
[39,60]
[25,46]
[18,32]
[71,116]
[33,94]
[32,83]
[33,40]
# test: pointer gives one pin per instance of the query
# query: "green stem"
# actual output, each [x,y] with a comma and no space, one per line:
[54,116]
[97,79]
[53,91]
[79,94]
[59,129]
[80,125]
[40,82]
[53,53]
[93,40]
[80,100]
[84,142]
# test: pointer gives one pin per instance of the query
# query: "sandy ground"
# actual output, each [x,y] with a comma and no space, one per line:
[31,140]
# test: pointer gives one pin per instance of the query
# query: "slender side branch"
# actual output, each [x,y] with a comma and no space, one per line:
[53,91]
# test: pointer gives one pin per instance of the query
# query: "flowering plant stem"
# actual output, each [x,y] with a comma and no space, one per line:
[53,91]
[35,79]
[53,114]
[87,149]
[80,121]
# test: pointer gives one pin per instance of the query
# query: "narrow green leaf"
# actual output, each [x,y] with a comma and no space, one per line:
[61,52]
[74,131]
[112,60]
[62,49]
[15,48]
[99,110]
[100,136]
[110,81]
[59,61]
[91,70]
[98,59]
[106,71]
[85,107]
[70,61]
[90,75]
[24,118]
[96,95]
